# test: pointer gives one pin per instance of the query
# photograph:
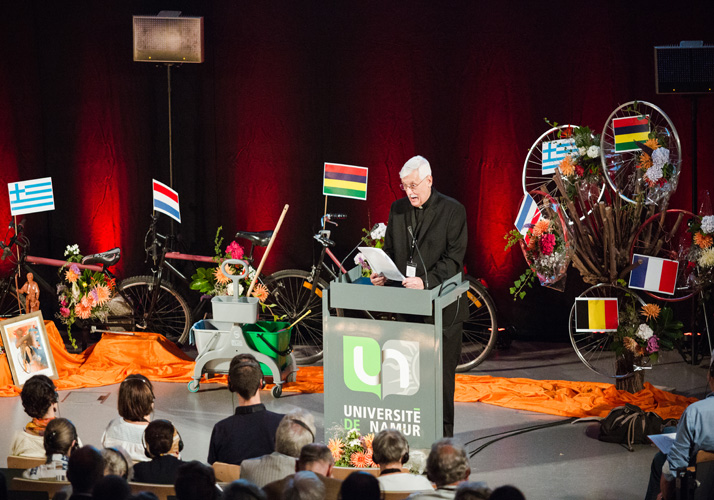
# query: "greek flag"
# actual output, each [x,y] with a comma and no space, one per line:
[554,152]
[28,197]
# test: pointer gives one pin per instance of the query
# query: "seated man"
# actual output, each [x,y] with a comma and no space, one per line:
[196,481]
[295,431]
[446,466]
[163,445]
[695,432]
[251,431]
[314,457]
[85,469]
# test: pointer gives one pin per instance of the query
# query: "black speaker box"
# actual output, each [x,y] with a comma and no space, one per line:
[168,39]
[684,69]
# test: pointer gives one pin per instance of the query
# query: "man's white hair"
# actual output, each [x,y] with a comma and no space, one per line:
[417,163]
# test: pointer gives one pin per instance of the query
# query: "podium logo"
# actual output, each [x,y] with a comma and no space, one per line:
[391,369]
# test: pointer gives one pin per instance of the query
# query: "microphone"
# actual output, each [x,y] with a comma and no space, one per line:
[415,245]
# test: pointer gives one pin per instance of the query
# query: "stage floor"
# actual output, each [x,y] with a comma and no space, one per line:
[563,462]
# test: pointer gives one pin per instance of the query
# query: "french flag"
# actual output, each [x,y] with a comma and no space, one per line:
[654,274]
[528,215]
[166,200]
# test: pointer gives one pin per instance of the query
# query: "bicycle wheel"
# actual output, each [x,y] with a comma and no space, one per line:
[9,307]
[480,329]
[291,296]
[595,348]
[171,316]
[541,163]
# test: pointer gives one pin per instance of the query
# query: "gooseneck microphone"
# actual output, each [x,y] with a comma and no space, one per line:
[416,245]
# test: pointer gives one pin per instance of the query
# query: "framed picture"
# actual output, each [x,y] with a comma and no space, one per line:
[27,347]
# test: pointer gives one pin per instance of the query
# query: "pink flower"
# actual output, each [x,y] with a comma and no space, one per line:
[235,250]
[64,311]
[652,344]
[547,244]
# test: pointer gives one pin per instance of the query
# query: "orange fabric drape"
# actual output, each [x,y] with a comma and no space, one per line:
[116,355]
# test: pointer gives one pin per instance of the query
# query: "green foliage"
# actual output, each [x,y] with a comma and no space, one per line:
[524,280]
[203,280]
[512,238]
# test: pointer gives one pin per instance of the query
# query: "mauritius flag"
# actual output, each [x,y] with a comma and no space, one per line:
[596,315]
[345,181]
[628,130]
[654,274]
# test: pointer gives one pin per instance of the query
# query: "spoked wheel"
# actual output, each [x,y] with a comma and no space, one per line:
[625,169]
[665,235]
[595,348]
[480,329]
[9,307]
[543,158]
[171,315]
[291,296]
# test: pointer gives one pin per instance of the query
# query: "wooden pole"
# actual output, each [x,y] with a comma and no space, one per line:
[267,250]
[17,249]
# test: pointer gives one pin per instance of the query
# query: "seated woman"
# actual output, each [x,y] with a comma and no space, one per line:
[39,399]
[163,445]
[136,403]
[59,440]
[391,452]
[117,462]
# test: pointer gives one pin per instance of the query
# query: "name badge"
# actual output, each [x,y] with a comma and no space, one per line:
[411,270]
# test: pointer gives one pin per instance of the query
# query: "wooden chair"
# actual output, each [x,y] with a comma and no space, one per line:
[226,473]
[697,482]
[341,473]
[17,462]
[162,491]
[50,487]
[396,495]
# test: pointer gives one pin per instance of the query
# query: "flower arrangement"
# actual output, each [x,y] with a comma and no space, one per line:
[701,251]
[584,167]
[82,294]
[645,332]
[372,238]
[653,162]
[351,449]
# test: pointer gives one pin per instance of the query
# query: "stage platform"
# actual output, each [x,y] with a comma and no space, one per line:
[563,462]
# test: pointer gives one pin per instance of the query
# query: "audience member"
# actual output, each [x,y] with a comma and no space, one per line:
[163,445]
[84,470]
[695,432]
[250,432]
[117,462]
[446,466]
[472,491]
[196,481]
[360,485]
[111,487]
[3,487]
[240,489]
[295,430]
[135,405]
[39,399]
[60,439]
[304,485]
[391,452]
[315,457]
[507,492]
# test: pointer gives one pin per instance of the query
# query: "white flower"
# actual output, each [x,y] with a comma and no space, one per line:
[359,259]
[354,442]
[707,258]
[72,250]
[660,157]
[379,231]
[594,151]
[708,224]
[644,332]
[229,288]
[582,151]
[654,173]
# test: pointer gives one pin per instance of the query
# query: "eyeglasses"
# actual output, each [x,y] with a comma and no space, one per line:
[411,186]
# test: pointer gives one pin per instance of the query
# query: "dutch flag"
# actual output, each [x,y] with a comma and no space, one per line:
[166,200]
[654,274]
[528,215]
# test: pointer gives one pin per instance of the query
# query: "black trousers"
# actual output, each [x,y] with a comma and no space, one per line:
[450,353]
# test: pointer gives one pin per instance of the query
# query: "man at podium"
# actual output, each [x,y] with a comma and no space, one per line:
[426,238]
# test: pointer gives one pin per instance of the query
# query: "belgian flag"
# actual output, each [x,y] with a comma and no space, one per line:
[596,315]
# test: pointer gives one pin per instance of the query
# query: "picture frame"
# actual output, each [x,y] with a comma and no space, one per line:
[27,347]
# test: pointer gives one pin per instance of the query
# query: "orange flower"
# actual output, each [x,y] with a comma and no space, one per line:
[368,462]
[652,144]
[630,344]
[367,440]
[567,167]
[651,311]
[358,459]
[541,227]
[71,275]
[703,240]
[102,294]
[261,291]
[83,309]
[645,161]
[336,446]
[220,277]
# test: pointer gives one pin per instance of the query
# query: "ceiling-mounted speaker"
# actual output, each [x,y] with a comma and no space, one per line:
[168,38]
[687,68]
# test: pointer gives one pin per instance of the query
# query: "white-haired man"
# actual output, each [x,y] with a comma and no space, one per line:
[426,237]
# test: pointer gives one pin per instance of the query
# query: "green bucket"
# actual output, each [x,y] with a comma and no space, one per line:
[266,337]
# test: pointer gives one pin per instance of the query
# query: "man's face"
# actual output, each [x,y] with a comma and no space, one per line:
[418,190]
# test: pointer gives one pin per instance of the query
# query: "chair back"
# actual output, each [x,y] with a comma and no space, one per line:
[396,495]
[17,462]
[50,487]
[341,473]
[162,491]
[226,473]
[704,473]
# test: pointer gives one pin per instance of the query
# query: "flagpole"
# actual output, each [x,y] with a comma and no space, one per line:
[17,249]
[324,214]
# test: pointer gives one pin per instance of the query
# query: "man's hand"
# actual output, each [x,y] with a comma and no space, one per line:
[377,279]
[414,283]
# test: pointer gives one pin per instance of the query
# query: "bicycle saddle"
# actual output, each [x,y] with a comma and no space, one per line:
[261,238]
[108,258]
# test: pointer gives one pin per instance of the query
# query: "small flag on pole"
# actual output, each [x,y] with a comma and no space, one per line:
[554,152]
[528,215]
[654,274]
[628,130]
[596,315]
[28,197]
[166,200]
[345,181]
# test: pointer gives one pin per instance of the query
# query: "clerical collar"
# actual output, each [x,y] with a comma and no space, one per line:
[243,410]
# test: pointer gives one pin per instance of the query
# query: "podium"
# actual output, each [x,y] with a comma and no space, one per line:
[382,374]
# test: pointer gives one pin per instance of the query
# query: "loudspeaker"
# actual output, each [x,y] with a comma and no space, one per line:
[168,39]
[687,68]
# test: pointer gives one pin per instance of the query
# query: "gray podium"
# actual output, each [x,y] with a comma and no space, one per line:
[382,374]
